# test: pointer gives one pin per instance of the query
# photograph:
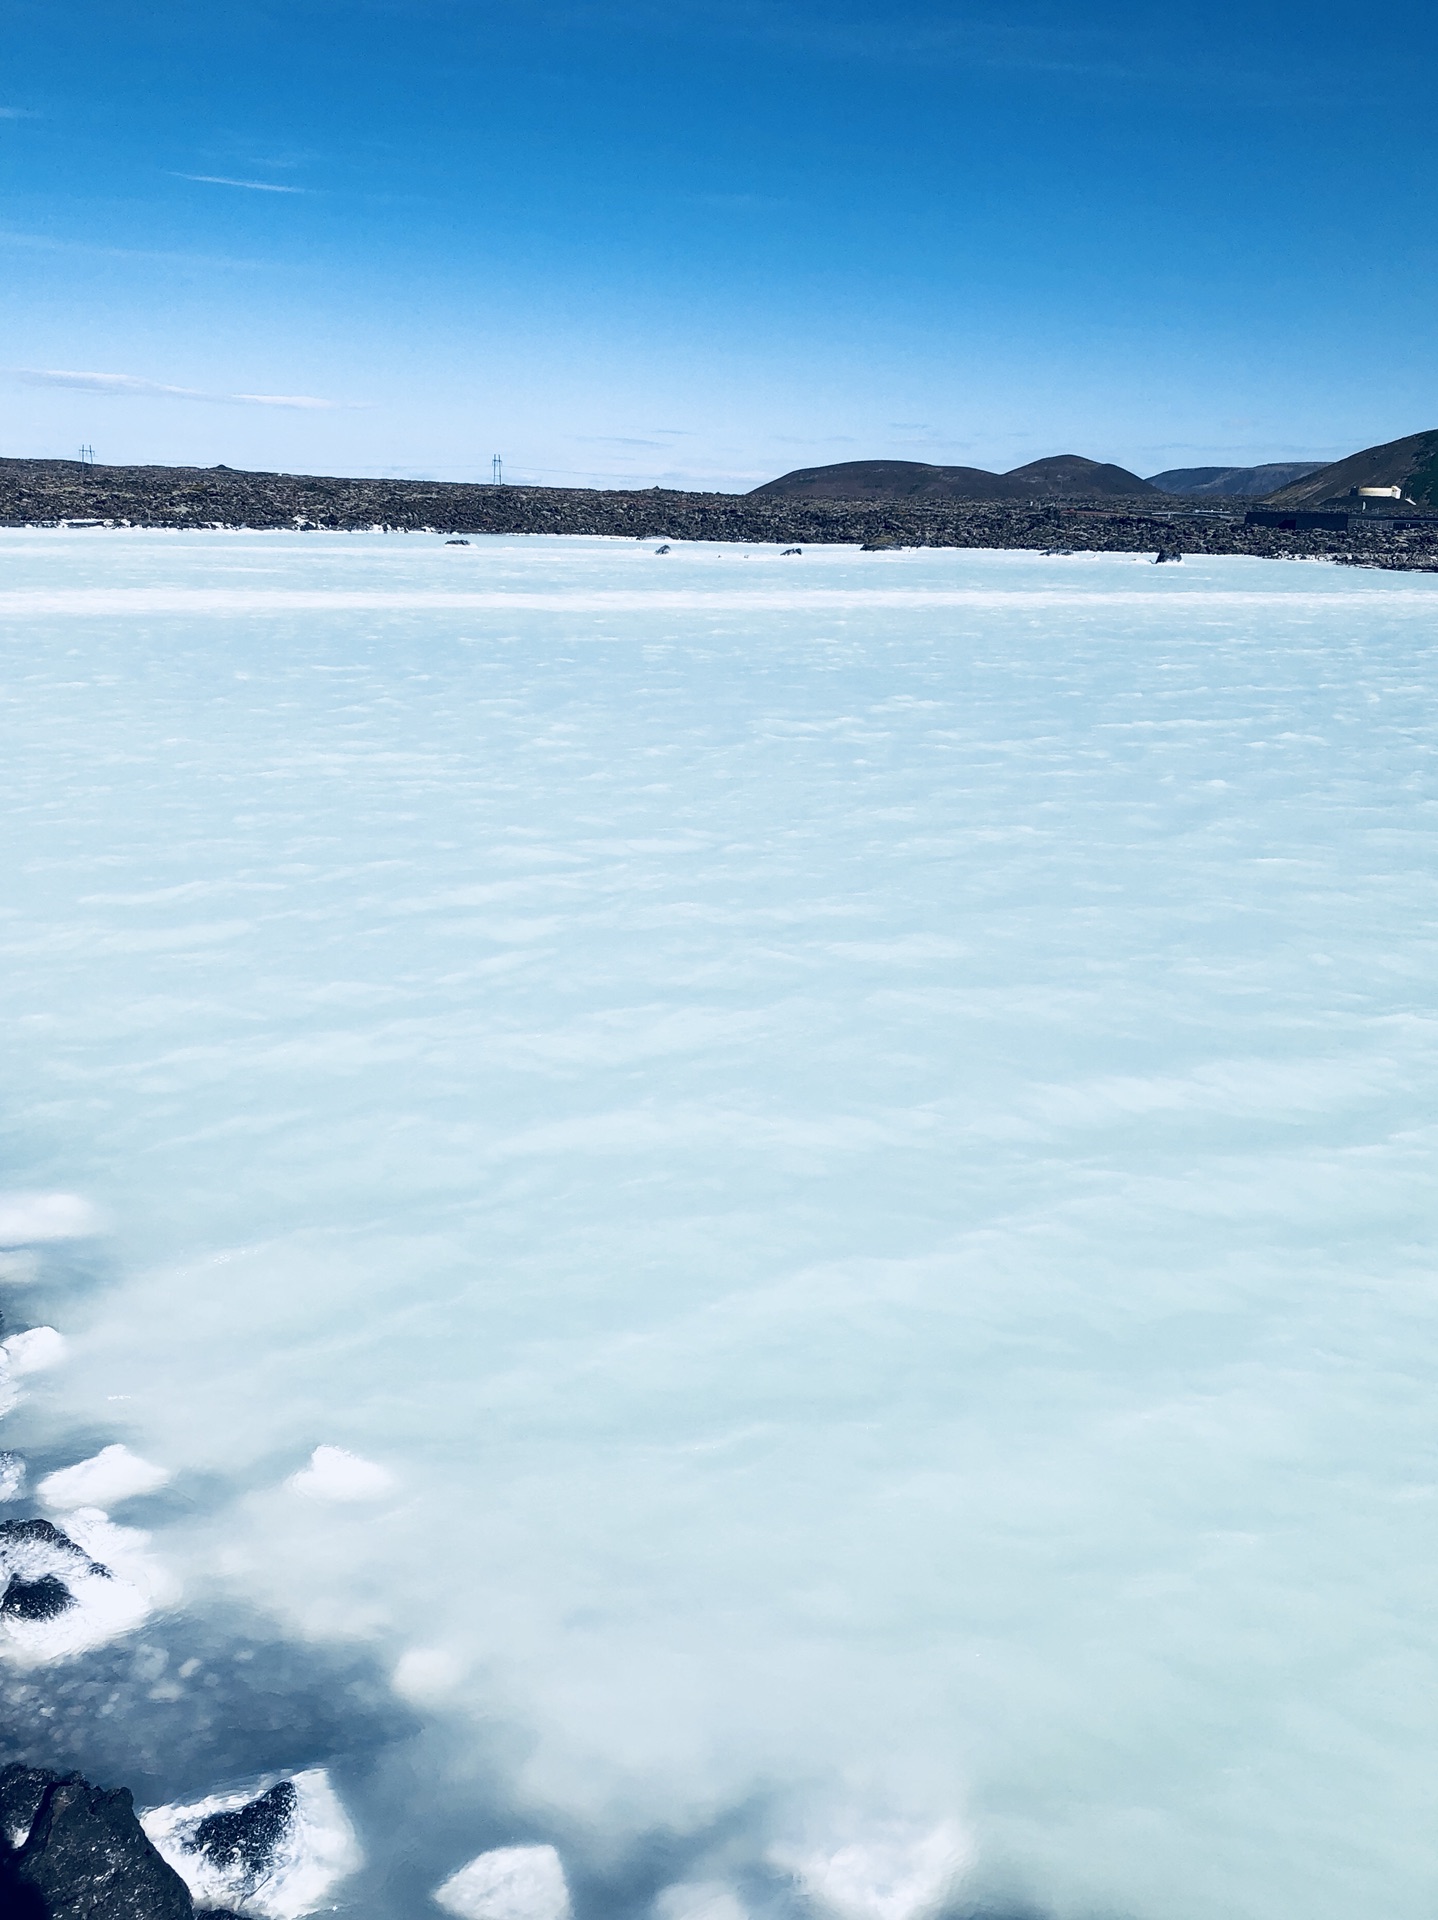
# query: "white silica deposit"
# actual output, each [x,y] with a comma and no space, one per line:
[334,1473]
[797,1192]
[29,1352]
[508,1883]
[112,1475]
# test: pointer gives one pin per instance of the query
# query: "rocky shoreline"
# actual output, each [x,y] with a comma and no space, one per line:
[248,1752]
[73,1851]
[47,493]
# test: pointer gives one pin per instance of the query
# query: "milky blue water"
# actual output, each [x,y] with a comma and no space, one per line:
[850,1136]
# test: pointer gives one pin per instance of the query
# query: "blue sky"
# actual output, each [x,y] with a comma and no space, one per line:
[638,242]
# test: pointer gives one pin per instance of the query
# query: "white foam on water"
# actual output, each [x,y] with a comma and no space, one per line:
[895,1871]
[12,1476]
[508,1883]
[699,1900]
[113,1581]
[334,1473]
[106,1478]
[427,1675]
[858,1144]
[34,1351]
[316,1852]
[24,1353]
[32,1219]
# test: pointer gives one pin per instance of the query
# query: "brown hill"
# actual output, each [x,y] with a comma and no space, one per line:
[890,480]
[1061,476]
[1070,474]
[1234,482]
[1410,463]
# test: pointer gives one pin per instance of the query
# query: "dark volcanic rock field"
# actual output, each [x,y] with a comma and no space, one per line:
[48,492]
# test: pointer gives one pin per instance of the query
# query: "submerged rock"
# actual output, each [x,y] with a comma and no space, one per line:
[73,1851]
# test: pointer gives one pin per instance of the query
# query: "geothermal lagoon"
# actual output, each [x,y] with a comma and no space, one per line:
[722,1236]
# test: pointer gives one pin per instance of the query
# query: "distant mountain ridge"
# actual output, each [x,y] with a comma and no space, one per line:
[1410,463]
[1061,476]
[1234,482]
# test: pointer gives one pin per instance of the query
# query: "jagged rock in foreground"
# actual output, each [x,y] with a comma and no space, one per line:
[277,1852]
[72,1851]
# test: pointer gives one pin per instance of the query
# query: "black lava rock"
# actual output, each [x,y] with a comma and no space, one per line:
[38,1599]
[249,1835]
[85,1856]
[38,1563]
[15,1534]
[29,1549]
[21,1791]
[45,492]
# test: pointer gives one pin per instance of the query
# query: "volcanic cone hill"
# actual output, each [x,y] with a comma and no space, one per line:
[1061,476]
[888,480]
[1410,463]
[1253,483]
[1068,475]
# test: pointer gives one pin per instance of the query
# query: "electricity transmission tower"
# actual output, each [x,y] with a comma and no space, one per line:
[498,471]
[87,456]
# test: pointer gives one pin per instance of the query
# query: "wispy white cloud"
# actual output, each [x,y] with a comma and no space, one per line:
[103,382]
[17,113]
[132,385]
[251,186]
[46,243]
[284,400]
